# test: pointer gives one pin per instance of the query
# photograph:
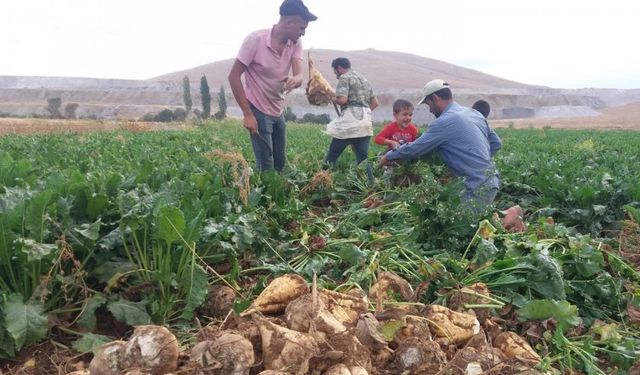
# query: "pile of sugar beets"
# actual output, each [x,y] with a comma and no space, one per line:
[293,328]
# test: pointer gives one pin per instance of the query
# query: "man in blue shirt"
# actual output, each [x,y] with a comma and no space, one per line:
[464,140]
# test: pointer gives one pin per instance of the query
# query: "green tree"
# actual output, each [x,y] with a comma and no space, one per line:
[70,110]
[312,118]
[186,93]
[53,107]
[289,116]
[222,104]
[206,97]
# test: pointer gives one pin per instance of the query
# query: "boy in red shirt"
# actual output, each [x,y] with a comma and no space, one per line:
[400,131]
[397,133]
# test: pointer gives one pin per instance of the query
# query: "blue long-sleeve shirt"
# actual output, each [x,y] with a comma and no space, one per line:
[465,142]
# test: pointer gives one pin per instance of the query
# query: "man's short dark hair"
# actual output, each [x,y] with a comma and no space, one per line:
[342,62]
[401,104]
[483,107]
[444,93]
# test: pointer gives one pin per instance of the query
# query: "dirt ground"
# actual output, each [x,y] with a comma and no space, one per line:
[31,125]
[625,117]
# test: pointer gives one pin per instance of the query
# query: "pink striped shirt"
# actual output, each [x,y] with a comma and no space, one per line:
[266,70]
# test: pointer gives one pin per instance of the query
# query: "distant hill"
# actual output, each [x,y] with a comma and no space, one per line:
[401,75]
[392,74]
[395,74]
[387,71]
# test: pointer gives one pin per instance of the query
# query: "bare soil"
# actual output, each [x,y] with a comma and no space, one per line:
[31,126]
[47,357]
[625,117]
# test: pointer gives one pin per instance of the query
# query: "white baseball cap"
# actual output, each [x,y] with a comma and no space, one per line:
[431,87]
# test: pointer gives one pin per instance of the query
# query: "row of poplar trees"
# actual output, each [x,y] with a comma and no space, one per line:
[205,96]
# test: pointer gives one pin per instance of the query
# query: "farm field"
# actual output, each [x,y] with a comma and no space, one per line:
[45,126]
[101,231]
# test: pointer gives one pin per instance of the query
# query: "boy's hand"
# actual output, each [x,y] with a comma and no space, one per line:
[393,144]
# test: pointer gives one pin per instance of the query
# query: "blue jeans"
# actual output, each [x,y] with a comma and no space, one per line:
[269,145]
[360,148]
[483,196]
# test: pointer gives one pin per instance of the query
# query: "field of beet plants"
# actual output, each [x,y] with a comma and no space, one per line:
[164,252]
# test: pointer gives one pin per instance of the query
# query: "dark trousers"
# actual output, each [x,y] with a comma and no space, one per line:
[360,148]
[269,146]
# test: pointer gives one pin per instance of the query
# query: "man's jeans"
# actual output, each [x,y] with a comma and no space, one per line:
[360,148]
[269,146]
[483,196]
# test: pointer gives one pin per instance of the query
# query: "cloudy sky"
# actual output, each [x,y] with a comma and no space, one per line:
[558,43]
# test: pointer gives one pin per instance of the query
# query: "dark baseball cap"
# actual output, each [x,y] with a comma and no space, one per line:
[296,8]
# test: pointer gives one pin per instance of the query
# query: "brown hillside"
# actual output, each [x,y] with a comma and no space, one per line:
[388,71]
[624,117]
[393,75]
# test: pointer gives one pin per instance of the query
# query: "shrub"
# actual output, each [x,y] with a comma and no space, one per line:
[289,116]
[179,114]
[166,115]
[316,119]
[148,117]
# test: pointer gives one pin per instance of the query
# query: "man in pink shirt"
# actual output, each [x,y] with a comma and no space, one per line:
[265,58]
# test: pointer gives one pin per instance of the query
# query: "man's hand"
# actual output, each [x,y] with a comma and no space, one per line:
[292,82]
[383,161]
[340,100]
[251,124]
[393,144]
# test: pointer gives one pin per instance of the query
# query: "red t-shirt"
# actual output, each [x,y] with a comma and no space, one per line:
[392,131]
